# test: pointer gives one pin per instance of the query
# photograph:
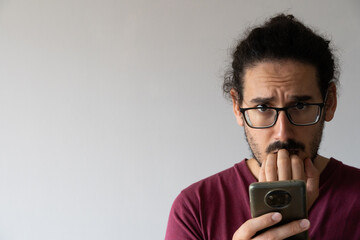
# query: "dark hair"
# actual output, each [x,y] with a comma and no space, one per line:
[282,37]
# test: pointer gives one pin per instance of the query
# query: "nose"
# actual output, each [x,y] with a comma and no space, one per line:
[283,128]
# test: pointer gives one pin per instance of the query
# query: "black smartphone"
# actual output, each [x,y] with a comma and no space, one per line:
[285,197]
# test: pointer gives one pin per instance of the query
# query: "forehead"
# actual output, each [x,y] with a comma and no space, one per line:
[281,80]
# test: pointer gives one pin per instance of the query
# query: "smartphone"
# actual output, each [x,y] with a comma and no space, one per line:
[285,197]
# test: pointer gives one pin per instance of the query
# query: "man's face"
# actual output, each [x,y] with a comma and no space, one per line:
[281,84]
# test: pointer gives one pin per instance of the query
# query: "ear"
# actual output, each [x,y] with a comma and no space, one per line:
[236,107]
[331,102]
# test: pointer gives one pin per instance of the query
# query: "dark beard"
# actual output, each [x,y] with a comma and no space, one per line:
[291,145]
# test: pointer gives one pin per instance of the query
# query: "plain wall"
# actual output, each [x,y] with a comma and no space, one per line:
[109,108]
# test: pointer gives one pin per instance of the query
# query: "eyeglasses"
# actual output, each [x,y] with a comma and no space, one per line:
[301,114]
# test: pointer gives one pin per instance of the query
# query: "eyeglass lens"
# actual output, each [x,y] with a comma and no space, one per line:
[266,117]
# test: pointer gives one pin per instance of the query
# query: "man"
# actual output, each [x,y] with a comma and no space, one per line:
[283,89]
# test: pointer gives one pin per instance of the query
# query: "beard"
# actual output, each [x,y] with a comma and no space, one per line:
[291,145]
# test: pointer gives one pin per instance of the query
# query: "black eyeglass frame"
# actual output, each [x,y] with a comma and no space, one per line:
[285,109]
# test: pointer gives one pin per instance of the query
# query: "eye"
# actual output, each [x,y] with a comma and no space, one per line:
[300,106]
[262,108]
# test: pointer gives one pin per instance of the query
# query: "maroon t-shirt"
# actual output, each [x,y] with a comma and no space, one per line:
[214,208]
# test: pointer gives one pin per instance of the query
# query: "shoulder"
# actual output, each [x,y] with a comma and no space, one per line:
[225,180]
[219,192]
[337,206]
[347,172]
[195,208]
[340,178]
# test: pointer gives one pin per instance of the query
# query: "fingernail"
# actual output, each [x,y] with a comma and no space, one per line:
[304,223]
[276,217]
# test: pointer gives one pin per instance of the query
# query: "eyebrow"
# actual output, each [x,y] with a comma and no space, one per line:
[301,98]
[259,100]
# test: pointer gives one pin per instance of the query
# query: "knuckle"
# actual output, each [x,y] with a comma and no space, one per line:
[269,171]
[297,166]
[283,161]
[269,163]
[283,164]
[296,160]
[295,228]
[265,221]
[269,236]
[245,228]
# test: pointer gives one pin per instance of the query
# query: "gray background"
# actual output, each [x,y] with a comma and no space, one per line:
[109,108]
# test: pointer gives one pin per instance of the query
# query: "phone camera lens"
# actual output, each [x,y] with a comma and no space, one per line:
[277,199]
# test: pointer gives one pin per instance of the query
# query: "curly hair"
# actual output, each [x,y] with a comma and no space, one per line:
[281,37]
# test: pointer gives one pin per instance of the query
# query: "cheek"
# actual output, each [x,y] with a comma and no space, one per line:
[309,136]
[261,137]
[306,134]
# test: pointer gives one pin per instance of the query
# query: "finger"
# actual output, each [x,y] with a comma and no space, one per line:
[284,165]
[262,176]
[286,230]
[312,182]
[297,168]
[252,226]
[312,176]
[310,170]
[271,168]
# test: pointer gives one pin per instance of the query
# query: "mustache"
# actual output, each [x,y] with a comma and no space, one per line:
[291,146]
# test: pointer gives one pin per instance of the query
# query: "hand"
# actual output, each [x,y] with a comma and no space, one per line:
[252,226]
[283,166]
